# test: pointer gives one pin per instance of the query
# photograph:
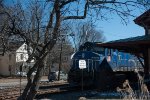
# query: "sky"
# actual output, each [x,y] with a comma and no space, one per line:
[113,28]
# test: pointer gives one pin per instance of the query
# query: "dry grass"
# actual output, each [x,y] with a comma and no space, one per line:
[128,93]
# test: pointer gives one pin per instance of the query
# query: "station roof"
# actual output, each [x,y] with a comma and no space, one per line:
[135,45]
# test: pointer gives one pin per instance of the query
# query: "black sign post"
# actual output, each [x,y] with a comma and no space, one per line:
[82,80]
[82,65]
[20,76]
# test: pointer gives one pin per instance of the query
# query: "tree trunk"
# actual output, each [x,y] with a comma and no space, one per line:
[35,84]
[30,81]
[24,95]
[32,87]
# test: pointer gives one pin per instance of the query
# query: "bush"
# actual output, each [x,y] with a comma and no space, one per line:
[128,93]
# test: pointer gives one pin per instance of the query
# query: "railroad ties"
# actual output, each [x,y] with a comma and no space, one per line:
[12,93]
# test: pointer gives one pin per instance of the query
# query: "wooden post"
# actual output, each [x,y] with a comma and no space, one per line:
[146,54]
[149,59]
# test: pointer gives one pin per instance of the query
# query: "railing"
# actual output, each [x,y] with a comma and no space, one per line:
[127,65]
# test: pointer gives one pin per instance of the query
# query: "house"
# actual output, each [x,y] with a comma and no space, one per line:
[10,62]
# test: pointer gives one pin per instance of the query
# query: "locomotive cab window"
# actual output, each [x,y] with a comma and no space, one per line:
[99,50]
[95,58]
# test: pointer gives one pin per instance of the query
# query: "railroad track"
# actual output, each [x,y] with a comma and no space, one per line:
[46,88]
[48,91]
[12,93]
[45,93]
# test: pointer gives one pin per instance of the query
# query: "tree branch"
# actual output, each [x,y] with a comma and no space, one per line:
[96,2]
[79,17]
[63,3]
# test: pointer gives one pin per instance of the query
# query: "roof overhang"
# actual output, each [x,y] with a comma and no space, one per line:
[143,20]
[134,45]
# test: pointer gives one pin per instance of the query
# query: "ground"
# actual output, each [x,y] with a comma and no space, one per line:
[14,81]
[53,91]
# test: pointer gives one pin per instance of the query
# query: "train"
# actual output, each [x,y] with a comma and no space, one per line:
[102,64]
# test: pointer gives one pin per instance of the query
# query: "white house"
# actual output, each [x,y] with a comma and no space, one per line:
[11,61]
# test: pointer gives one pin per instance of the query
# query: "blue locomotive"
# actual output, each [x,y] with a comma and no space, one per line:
[96,59]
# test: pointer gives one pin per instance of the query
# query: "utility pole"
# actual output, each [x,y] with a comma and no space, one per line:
[85,33]
[61,48]
[73,37]
[60,56]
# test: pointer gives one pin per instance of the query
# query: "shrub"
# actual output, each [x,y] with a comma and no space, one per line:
[128,93]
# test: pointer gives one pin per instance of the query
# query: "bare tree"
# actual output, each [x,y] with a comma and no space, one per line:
[40,34]
[86,32]
[64,48]
[2,39]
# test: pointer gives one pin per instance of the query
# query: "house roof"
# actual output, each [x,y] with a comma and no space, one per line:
[144,19]
[12,46]
[134,45]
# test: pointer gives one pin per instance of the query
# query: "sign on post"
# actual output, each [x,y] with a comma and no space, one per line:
[82,64]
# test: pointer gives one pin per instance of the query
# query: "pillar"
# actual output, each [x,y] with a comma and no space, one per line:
[147,54]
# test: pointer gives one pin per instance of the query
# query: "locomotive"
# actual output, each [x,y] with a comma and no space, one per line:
[95,58]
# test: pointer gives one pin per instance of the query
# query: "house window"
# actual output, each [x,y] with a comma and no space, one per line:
[21,56]
[25,47]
